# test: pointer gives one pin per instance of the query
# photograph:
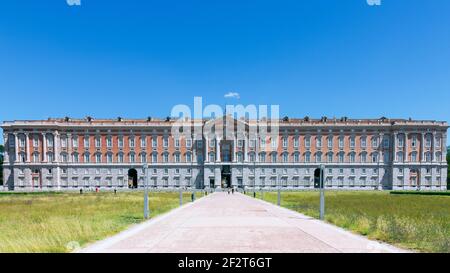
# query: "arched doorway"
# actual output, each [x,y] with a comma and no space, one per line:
[36,179]
[132,178]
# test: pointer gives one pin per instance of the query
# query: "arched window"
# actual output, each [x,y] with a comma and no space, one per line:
[414,157]
[438,156]
[400,157]
[352,157]
[273,156]
[212,157]
[307,157]
[87,158]
[262,157]
[363,157]
[318,157]
[374,157]
[428,157]
[154,157]
[132,157]
[252,156]
[285,157]
[240,157]
[22,157]
[75,158]
[98,158]
[35,157]
[50,157]
[188,157]
[64,157]
[177,157]
[166,157]
[341,157]
[120,157]
[144,157]
[330,157]
[109,158]
[297,157]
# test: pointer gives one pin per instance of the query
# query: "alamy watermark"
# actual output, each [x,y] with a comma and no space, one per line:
[373,2]
[73,2]
[235,122]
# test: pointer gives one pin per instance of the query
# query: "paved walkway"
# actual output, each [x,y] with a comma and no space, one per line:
[222,222]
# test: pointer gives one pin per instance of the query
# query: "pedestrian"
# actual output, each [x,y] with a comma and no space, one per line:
[81,191]
[115,191]
[232,190]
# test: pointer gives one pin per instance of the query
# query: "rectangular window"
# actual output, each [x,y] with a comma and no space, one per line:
[319,142]
[307,142]
[363,142]
[143,141]
[352,142]
[131,141]
[86,142]
[108,142]
[154,142]
[98,142]
[296,142]
[120,141]
[330,142]
[188,143]
[285,142]
[63,141]
[341,142]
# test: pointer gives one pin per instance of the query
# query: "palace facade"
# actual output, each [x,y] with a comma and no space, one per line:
[68,154]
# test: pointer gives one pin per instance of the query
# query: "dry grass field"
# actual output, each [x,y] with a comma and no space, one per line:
[60,222]
[417,222]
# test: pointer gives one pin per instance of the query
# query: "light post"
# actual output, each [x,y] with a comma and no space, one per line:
[279,192]
[322,193]
[146,209]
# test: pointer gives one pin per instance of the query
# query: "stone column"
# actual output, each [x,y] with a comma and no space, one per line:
[206,149]
[235,148]
[27,143]
[433,147]
[380,148]
[406,148]
[246,148]
[7,148]
[218,159]
[56,146]
[422,148]
[16,147]
[394,149]
[44,150]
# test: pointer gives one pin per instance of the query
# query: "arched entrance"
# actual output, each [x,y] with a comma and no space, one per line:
[132,178]
[36,179]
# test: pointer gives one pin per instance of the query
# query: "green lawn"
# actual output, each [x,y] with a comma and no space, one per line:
[418,222]
[57,222]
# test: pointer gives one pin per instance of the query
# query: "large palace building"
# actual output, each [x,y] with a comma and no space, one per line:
[68,154]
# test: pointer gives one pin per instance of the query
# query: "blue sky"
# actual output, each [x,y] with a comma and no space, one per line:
[140,58]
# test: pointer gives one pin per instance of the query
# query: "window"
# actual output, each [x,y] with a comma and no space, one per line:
[318,141]
[75,158]
[177,158]
[35,157]
[439,157]
[74,141]
[387,157]
[374,158]
[341,157]
[401,141]
[252,143]
[414,141]
[98,142]
[239,157]
[386,142]
[274,143]
[330,157]
[86,141]
[109,158]
[318,157]
[63,141]
[307,157]
[212,157]
[296,157]
[132,158]
[50,140]
[143,141]
[50,157]
[262,143]
[285,142]
[252,157]
[64,157]
[86,158]
[212,143]
[21,141]
[200,144]
[285,157]
[307,142]
[438,142]
[414,157]
[188,143]
[120,158]
[98,158]
[177,143]
[274,157]
[352,142]
[240,143]
[341,142]
[36,141]
[262,157]
[330,142]
[108,142]
[166,157]
[428,157]
[188,157]
[296,142]
[131,142]
[120,141]
[374,142]
[363,142]
[400,157]
[154,158]
[363,158]
[143,157]
[352,158]
[154,142]
[428,141]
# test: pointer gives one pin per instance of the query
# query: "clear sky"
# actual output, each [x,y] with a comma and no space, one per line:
[135,59]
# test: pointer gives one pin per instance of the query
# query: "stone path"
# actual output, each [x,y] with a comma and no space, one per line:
[222,222]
